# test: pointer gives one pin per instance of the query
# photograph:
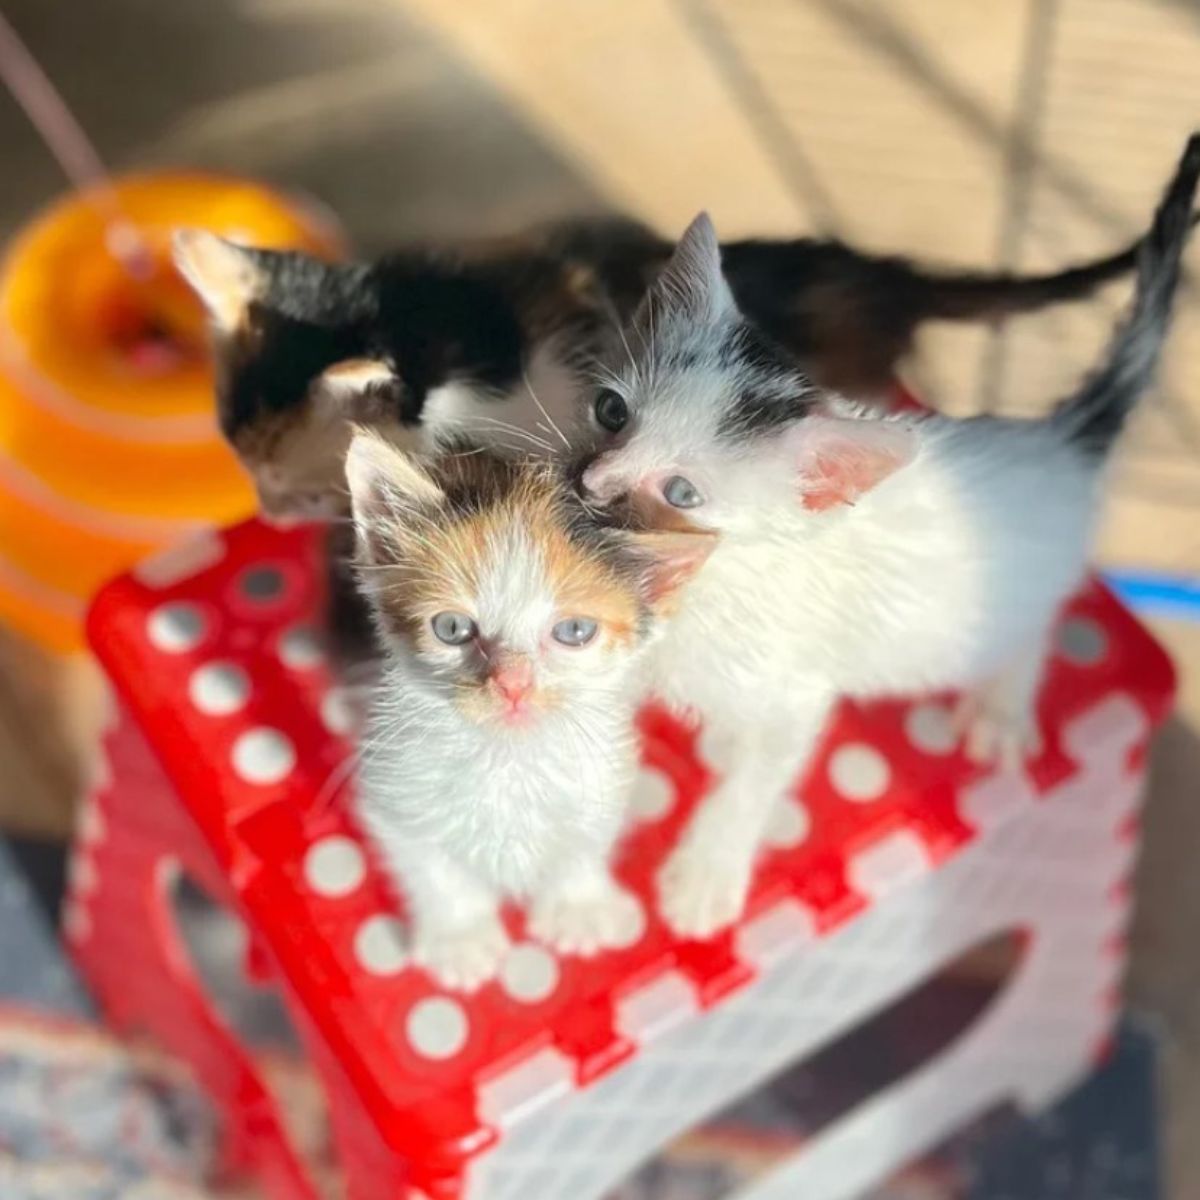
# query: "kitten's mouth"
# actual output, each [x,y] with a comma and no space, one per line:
[517,715]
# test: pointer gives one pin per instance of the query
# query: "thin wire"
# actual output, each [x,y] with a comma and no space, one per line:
[72,150]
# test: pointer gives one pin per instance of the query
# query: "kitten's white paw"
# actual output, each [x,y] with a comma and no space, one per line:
[699,896]
[993,735]
[463,959]
[586,925]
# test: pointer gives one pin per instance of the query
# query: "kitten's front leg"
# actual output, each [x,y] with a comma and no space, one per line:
[998,719]
[703,886]
[457,933]
[583,910]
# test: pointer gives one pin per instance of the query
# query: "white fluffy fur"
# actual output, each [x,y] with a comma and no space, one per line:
[467,813]
[540,416]
[465,816]
[948,573]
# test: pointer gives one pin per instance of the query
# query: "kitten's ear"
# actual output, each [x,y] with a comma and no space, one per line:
[692,283]
[669,560]
[840,459]
[226,277]
[354,379]
[387,489]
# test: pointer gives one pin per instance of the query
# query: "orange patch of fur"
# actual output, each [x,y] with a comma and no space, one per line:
[439,564]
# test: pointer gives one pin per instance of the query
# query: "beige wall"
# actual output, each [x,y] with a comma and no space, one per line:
[898,124]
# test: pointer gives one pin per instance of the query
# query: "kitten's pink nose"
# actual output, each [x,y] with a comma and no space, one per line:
[513,679]
[600,481]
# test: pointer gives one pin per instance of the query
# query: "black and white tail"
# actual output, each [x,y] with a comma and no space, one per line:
[1095,415]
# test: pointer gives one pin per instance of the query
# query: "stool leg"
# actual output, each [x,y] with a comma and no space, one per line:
[132,840]
[1048,870]
[371,1170]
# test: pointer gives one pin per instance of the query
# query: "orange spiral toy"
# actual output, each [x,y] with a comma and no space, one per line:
[109,447]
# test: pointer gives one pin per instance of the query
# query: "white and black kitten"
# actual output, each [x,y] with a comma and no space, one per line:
[501,749]
[859,553]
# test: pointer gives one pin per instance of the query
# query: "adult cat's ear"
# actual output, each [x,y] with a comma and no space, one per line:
[388,489]
[838,460]
[226,277]
[346,383]
[692,283]
[669,559]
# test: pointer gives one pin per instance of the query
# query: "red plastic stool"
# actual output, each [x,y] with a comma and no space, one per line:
[893,857]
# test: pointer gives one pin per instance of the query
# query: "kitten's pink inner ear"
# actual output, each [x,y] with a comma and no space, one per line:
[841,460]
[671,560]
[346,381]
[224,276]
[383,481]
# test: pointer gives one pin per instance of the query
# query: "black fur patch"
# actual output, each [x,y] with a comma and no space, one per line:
[847,315]
[273,361]
[773,390]
[1094,417]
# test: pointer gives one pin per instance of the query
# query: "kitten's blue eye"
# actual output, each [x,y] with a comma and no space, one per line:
[681,493]
[453,628]
[574,631]
[611,411]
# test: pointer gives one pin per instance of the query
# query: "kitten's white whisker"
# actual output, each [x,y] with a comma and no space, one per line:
[542,409]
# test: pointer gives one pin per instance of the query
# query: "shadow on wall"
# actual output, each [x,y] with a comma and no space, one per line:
[348,102]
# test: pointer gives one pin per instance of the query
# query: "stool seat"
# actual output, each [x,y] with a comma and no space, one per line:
[230,760]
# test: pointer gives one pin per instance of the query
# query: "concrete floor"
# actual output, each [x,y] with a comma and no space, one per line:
[1022,134]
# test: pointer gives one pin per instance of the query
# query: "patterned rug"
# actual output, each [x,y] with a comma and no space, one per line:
[84,1117]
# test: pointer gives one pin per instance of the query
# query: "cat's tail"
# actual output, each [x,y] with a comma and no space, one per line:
[1094,416]
[974,296]
[850,317]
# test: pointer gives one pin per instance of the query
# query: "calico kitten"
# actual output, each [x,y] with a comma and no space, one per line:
[436,337]
[501,749]
[859,554]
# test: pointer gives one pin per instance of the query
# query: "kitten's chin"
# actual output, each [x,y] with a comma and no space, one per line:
[491,713]
[524,717]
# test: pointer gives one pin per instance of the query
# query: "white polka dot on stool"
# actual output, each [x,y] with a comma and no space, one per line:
[261,584]
[859,772]
[789,824]
[529,974]
[175,628]
[1082,641]
[219,688]
[300,648]
[653,795]
[263,756]
[334,866]
[379,945]
[437,1027]
[336,714]
[929,727]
